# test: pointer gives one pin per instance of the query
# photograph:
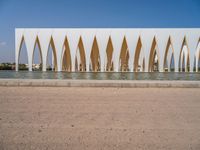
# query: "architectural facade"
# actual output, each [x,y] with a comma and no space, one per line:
[113,49]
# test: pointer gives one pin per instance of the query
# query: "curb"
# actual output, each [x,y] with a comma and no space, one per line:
[99,83]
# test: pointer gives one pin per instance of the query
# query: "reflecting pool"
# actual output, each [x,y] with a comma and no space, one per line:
[99,75]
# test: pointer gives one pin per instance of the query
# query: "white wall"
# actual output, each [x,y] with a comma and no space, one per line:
[102,35]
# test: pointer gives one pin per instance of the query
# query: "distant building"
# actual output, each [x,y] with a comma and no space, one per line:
[36,66]
[101,49]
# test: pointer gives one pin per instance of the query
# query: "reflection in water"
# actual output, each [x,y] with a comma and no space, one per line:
[100,75]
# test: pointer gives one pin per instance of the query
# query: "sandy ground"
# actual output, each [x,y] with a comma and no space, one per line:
[99,118]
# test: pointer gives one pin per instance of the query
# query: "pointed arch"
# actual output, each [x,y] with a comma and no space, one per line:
[80,59]
[132,36]
[22,42]
[22,66]
[37,47]
[197,59]
[66,56]
[169,56]
[198,63]
[20,47]
[124,56]
[52,49]
[49,65]
[19,39]
[95,57]
[154,57]
[139,60]
[171,63]
[109,54]
[183,61]
[184,57]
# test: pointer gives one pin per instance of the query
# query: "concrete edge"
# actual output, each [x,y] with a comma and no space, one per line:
[100,83]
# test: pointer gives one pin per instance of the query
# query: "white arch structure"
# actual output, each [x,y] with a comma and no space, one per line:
[133,46]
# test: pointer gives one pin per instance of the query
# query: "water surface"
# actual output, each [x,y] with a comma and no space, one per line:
[99,75]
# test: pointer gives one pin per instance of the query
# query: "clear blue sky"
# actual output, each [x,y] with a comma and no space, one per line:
[92,13]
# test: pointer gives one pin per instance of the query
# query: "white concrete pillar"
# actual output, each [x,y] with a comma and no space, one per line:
[102,36]
[176,60]
[44,65]
[169,58]
[73,64]
[160,53]
[59,66]
[87,63]
[130,64]
[16,66]
[132,36]
[117,37]
[59,36]
[30,64]
[192,38]
[181,61]
[146,69]
[197,60]
[116,64]
[44,37]
[176,68]
[162,37]
[161,69]
[177,37]
[78,59]
[191,61]
[30,41]
[52,61]
[17,50]
[186,69]
[197,55]
[147,36]
[88,36]
[73,37]
[73,50]
[102,69]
